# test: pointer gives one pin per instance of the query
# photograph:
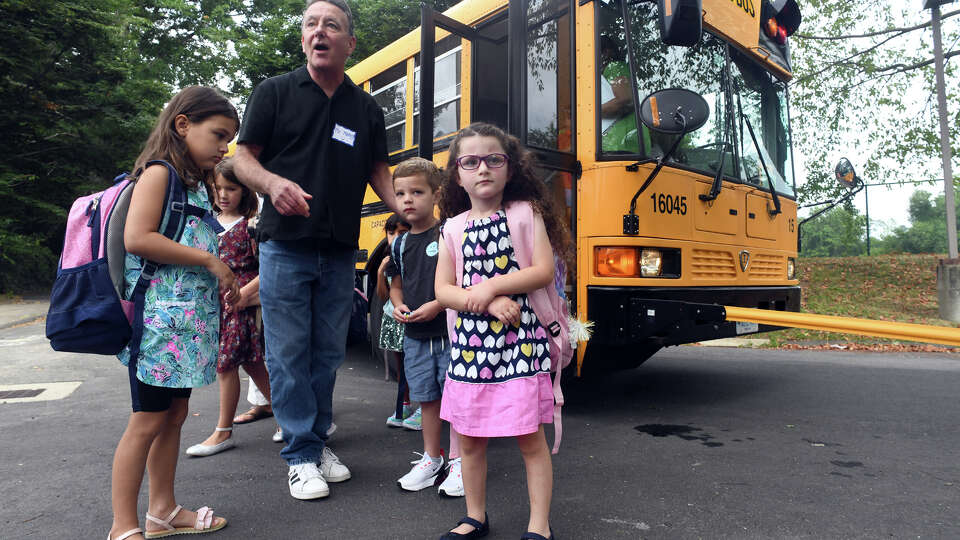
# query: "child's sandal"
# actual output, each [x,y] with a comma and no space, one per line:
[127,534]
[205,523]
[479,529]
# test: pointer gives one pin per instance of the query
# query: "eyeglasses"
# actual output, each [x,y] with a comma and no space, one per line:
[472,163]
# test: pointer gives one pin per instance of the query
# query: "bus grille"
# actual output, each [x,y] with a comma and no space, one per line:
[767,267]
[713,265]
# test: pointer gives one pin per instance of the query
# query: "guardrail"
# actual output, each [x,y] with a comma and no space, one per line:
[943,335]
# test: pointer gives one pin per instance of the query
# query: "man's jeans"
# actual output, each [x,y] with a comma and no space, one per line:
[307,298]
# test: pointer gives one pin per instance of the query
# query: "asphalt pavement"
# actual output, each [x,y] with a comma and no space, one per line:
[697,443]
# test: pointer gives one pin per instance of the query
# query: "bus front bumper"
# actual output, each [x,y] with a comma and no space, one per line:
[671,316]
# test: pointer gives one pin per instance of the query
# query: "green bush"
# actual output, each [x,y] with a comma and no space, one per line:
[26,265]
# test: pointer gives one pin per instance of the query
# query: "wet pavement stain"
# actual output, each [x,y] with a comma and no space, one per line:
[685,432]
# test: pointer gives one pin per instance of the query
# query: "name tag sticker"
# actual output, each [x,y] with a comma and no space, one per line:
[344,135]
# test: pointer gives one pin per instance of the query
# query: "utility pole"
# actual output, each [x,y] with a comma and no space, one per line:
[948,271]
[866,204]
[944,128]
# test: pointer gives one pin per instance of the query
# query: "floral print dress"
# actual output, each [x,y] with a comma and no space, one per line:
[241,336]
[181,313]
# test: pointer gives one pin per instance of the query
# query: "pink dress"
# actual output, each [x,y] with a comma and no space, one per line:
[498,382]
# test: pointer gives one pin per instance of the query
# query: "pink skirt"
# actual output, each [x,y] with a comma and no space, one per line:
[505,409]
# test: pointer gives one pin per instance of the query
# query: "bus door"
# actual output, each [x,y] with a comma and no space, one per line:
[488,44]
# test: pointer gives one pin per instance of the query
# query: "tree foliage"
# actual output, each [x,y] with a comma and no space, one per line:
[71,100]
[840,232]
[865,85]
[927,232]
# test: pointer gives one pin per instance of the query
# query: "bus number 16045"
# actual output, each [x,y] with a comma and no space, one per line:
[669,204]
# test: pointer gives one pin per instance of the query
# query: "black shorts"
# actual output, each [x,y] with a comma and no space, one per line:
[147,398]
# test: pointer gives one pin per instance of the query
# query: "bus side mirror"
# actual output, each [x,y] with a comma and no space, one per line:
[674,111]
[845,174]
[681,21]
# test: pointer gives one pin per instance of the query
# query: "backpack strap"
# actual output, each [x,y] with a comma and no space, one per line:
[551,310]
[396,251]
[452,234]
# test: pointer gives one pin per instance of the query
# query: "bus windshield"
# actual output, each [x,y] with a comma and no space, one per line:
[734,86]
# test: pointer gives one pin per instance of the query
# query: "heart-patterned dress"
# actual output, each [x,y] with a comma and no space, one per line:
[498,382]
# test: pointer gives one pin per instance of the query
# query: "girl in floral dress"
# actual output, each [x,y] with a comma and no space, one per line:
[498,383]
[241,337]
[178,350]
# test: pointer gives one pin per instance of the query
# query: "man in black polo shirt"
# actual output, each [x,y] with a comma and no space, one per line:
[310,141]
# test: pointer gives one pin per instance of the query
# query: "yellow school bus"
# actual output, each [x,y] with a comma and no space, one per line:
[669,227]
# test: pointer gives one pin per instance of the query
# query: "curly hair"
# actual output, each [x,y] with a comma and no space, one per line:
[522,185]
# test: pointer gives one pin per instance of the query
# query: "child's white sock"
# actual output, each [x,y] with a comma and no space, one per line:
[434,460]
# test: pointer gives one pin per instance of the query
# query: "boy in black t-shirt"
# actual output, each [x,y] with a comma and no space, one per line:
[426,346]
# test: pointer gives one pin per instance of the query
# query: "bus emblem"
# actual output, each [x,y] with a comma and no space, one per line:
[744,260]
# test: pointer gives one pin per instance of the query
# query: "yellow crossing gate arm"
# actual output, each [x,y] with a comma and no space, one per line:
[943,335]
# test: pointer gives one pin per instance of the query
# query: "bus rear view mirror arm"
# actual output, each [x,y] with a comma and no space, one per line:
[689,113]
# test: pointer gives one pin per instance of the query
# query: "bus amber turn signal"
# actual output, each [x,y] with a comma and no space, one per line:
[616,261]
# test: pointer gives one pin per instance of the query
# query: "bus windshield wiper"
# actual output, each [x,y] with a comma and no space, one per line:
[725,91]
[773,191]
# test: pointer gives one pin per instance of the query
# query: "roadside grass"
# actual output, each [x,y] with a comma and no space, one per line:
[901,288]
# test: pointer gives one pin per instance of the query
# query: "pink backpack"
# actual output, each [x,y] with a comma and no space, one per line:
[89,311]
[549,303]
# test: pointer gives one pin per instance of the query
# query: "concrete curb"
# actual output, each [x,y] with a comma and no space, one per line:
[735,342]
[13,314]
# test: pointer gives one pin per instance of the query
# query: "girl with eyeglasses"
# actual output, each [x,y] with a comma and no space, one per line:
[498,253]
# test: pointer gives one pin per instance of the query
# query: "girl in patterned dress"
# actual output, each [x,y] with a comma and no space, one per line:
[241,336]
[178,350]
[498,383]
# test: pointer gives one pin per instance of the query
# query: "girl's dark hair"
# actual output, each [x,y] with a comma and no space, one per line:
[393,222]
[522,185]
[197,103]
[249,204]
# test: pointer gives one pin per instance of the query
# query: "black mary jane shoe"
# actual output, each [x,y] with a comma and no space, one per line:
[479,529]
[534,536]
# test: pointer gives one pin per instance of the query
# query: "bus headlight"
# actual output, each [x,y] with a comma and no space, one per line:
[651,262]
[791,268]
[634,262]
[616,261]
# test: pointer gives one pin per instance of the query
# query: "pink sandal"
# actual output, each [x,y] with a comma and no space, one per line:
[127,534]
[204,523]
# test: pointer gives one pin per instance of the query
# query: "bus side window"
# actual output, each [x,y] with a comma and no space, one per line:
[490,74]
[446,89]
[389,89]
[549,99]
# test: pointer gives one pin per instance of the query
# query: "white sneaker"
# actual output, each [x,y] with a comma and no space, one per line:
[422,475]
[306,482]
[333,471]
[452,485]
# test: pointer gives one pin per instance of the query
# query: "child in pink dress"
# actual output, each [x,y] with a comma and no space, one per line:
[498,383]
